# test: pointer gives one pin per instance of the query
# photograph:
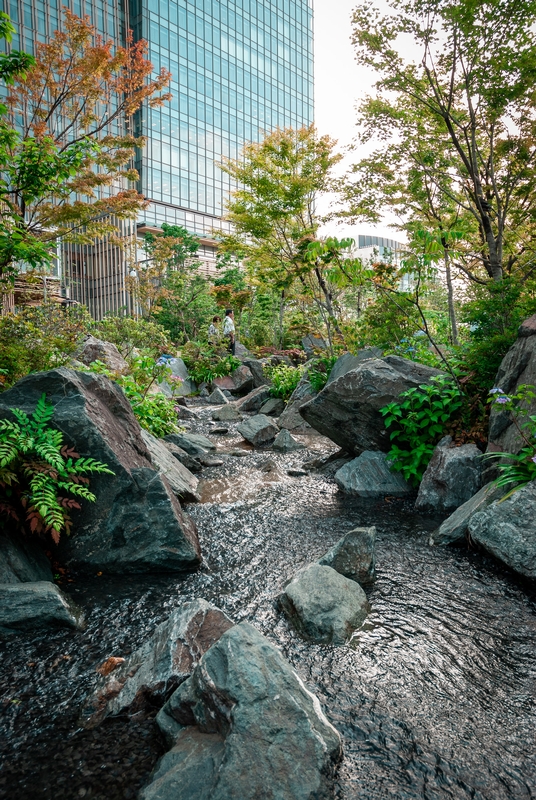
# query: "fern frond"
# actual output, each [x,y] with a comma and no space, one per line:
[8,452]
[91,465]
[43,412]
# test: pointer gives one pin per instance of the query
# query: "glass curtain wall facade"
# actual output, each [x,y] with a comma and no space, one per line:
[240,69]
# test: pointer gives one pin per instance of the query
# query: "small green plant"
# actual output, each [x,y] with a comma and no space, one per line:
[38,472]
[319,371]
[284,379]
[521,468]
[417,421]
[205,363]
[129,334]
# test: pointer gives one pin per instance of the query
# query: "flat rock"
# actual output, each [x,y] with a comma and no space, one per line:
[219,431]
[258,430]
[285,443]
[369,475]
[137,523]
[22,559]
[36,604]
[347,410]
[349,361]
[353,556]
[228,413]
[94,349]
[323,605]
[152,672]
[273,407]
[181,480]
[254,400]
[247,729]
[507,530]
[217,398]
[192,463]
[454,528]
[193,443]
[452,477]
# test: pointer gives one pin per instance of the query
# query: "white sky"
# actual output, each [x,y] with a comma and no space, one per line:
[339,84]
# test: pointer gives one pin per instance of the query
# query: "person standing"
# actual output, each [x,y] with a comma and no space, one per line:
[213,332]
[229,330]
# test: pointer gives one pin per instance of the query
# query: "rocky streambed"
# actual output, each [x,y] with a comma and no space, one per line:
[434,696]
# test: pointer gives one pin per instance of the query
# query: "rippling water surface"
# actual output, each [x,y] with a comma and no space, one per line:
[434,697]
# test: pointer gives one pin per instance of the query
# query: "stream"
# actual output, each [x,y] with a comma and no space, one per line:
[434,697]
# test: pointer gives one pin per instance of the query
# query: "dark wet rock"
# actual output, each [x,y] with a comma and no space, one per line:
[181,480]
[302,394]
[241,351]
[228,413]
[98,350]
[210,461]
[219,431]
[239,382]
[256,367]
[323,605]
[192,463]
[194,443]
[349,361]
[353,556]
[217,398]
[36,604]
[258,430]
[154,670]
[247,728]
[347,410]
[182,387]
[507,530]
[369,475]
[517,368]
[455,527]
[312,343]
[285,443]
[452,477]
[137,523]
[254,400]
[273,407]
[22,559]
[294,472]
[184,413]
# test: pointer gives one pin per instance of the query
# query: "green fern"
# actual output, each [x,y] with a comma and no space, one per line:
[34,466]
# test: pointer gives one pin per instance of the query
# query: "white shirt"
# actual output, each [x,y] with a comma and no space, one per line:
[228,326]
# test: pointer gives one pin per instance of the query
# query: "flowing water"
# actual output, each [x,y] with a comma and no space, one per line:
[434,697]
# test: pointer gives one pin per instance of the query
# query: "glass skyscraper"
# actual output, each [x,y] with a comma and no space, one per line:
[240,69]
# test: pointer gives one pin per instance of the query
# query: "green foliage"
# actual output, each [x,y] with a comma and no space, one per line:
[39,338]
[521,468]
[205,363]
[284,379]
[38,473]
[128,334]
[417,420]
[186,306]
[319,371]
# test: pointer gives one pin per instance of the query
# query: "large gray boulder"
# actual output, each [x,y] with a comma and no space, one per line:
[349,361]
[192,463]
[182,387]
[256,367]
[217,398]
[193,443]
[181,480]
[258,430]
[239,382]
[137,523]
[347,410]
[311,344]
[517,368]
[353,556]
[228,413]
[22,559]
[38,604]
[273,407]
[452,477]
[247,728]
[254,400]
[94,349]
[507,530]
[454,528]
[285,443]
[154,670]
[323,605]
[369,475]
[291,418]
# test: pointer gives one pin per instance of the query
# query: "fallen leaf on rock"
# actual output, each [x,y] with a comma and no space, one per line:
[109,665]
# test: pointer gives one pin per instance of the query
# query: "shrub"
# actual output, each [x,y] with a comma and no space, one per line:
[521,468]
[319,371]
[38,472]
[129,334]
[284,379]
[204,363]
[39,338]
[417,420]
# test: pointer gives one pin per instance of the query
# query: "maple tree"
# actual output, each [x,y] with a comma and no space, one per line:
[66,143]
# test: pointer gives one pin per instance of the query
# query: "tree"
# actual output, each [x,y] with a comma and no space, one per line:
[14,63]
[470,96]
[273,209]
[65,146]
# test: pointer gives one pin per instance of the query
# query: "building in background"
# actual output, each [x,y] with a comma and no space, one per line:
[240,69]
